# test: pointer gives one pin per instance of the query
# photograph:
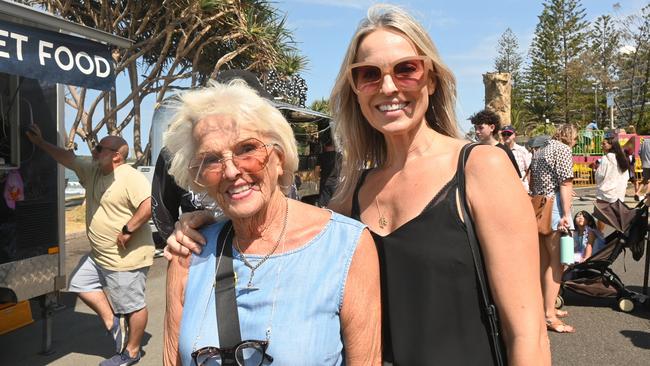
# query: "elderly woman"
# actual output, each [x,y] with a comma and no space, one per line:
[552,175]
[306,279]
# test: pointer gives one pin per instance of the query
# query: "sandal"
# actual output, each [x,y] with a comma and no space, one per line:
[561,313]
[558,326]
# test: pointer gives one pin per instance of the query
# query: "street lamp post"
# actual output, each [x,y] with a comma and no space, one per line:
[611,104]
[595,85]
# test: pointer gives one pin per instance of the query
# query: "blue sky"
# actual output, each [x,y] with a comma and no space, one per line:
[465,32]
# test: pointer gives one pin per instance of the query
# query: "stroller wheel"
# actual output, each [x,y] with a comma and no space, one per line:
[559,302]
[625,304]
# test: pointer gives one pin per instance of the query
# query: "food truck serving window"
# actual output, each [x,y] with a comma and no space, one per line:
[54,57]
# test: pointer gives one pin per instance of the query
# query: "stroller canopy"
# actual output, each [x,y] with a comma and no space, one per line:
[632,222]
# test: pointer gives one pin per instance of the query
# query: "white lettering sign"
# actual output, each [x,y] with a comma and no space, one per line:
[42,55]
[3,33]
[106,72]
[19,43]
[61,58]
[57,58]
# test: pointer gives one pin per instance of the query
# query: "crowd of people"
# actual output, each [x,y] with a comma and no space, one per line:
[411,263]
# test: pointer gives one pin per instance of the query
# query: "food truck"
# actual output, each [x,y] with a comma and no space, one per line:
[39,54]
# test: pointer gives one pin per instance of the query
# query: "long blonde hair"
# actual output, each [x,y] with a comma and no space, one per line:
[361,144]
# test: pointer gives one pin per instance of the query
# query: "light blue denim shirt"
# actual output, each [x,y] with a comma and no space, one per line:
[306,284]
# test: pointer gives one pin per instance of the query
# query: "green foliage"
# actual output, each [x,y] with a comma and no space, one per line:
[509,58]
[542,129]
[572,65]
[604,42]
[555,78]
[541,84]
[634,72]
[176,42]
[321,105]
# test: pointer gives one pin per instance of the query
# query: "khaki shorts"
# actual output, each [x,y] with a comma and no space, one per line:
[124,289]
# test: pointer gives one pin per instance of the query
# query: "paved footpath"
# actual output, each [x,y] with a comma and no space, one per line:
[604,336]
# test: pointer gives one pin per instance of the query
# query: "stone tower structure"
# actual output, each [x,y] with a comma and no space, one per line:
[498,90]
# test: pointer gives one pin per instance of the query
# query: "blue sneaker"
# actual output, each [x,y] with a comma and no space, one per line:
[121,359]
[120,332]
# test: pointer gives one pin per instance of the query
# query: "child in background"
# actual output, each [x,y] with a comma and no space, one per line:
[587,239]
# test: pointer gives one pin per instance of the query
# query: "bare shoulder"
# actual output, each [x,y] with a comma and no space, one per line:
[484,161]
[307,210]
[306,221]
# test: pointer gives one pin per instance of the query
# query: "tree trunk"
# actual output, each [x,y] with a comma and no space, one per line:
[498,89]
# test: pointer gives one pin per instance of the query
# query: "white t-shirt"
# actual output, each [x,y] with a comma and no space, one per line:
[611,183]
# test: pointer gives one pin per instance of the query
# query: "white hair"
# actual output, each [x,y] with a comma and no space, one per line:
[241,103]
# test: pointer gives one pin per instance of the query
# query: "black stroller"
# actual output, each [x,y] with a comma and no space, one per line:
[595,277]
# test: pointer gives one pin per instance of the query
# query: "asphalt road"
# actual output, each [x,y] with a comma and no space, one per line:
[604,336]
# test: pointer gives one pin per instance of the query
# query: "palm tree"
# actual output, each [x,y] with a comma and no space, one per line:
[174,40]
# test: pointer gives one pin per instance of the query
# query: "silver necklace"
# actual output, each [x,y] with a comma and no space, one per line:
[252,267]
[269,328]
[275,297]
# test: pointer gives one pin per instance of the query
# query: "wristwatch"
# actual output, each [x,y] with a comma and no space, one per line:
[126,231]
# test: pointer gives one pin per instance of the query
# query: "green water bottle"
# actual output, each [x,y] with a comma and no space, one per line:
[566,248]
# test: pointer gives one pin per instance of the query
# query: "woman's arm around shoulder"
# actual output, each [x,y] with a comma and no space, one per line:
[506,229]
[361,309]
[177,272]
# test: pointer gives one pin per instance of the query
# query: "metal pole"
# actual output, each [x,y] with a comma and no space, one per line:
[596,102]
[611,117]
[595,86]
[647,266]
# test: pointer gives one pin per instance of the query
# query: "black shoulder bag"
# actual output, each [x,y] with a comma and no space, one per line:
[224,289]
[489,309]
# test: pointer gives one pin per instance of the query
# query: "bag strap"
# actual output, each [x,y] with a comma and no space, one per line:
[224,292]
[488,306]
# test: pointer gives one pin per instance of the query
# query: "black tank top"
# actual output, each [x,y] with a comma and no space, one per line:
[430,295]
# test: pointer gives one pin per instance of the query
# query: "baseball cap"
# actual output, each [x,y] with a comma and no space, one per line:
[508,128]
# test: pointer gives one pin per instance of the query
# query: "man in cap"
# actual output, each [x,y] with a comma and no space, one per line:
[521,154]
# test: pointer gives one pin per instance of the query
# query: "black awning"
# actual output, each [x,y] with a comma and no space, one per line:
[55,57]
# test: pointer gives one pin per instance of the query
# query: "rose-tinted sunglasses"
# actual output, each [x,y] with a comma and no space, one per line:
[408,74]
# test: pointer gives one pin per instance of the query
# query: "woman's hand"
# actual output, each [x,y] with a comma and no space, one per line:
[565,224]
[186,236]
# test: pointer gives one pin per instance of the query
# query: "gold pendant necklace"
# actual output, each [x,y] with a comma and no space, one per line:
[382,220]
